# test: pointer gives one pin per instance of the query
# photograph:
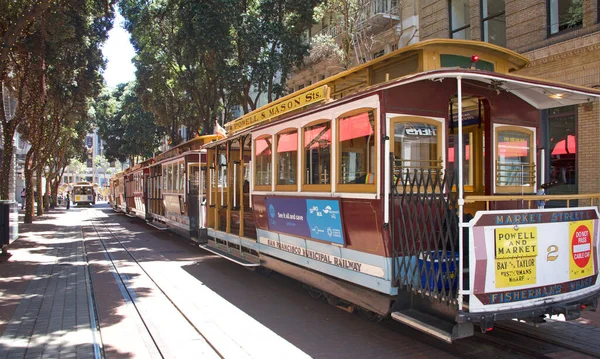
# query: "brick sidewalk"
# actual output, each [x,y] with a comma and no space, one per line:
[44,303]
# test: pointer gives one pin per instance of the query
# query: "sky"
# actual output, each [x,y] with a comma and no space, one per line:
[119,52]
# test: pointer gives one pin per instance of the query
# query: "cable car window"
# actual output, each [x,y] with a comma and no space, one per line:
[222,166]
[416,147]
[515,170]
[165,177]
[175,177]
[194,175]
[263,150]
[181,177]
[317,153]
[357,148]
[467,155]
[287,157]
[169,177]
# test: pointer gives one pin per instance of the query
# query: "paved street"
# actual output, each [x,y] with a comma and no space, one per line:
[87,283]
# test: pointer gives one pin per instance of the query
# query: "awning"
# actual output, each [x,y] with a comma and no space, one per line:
[565,147]
[316,135]
[355,127]
[263,147]
[287,142]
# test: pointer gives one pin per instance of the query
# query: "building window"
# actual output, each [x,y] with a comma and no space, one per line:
[378,54]
[317,154]
[493,22]
[561,154]
[460,17]
[262,158]
[357,151]
[287,158]
[564,14]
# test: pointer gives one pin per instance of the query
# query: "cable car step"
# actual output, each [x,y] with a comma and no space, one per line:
[159,226]
[129,214]
[431,325]
[240,261]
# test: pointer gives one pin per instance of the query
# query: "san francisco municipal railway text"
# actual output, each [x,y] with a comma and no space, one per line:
[318,256]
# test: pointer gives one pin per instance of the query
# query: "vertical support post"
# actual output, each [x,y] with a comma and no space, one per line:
[542,166]
[235,171]
[242,142]
[200,193]
[461,201]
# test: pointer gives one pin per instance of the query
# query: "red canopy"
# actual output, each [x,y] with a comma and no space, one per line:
[564,147]
[288,142]
[262,145]
[355,126]
[311,134]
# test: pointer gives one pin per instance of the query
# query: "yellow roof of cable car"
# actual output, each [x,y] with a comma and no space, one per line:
[419,57]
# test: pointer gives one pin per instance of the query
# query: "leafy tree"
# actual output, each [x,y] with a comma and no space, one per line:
[196,60]
[77,167]
[181,48]
[128,131]
[64,54]
[16,19]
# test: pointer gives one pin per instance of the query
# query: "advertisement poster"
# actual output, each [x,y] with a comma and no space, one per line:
[310,218]
[324,220]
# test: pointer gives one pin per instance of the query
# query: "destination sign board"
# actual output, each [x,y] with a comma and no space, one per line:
[278,108]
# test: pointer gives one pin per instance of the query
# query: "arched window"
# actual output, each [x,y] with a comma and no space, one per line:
[357,151]
[316,156]
[515,167]
[263,167]
[286,157]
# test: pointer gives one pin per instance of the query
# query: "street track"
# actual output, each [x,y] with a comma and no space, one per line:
[111,245]
[535,341]
[502,342]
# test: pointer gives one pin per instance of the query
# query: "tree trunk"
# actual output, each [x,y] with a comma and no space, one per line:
[54,191]
[38,188]
[47,195]
[8,135]
[29,200]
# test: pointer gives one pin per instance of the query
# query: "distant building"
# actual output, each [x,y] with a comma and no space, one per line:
[382,26]
[95,148]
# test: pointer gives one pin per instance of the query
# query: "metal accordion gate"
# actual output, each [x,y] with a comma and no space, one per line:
[424,232]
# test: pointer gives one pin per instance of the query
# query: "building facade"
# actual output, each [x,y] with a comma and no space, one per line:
[374,28]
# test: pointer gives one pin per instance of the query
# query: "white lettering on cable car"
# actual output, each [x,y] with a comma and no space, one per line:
[324,257]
